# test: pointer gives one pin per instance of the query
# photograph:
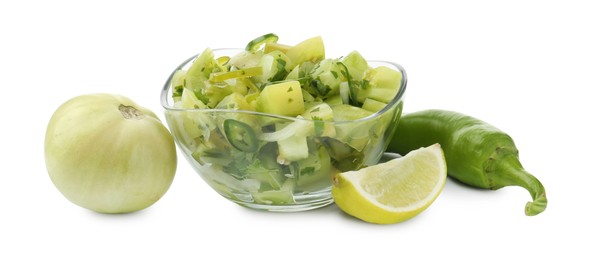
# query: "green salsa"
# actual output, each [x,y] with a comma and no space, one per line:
[286,118]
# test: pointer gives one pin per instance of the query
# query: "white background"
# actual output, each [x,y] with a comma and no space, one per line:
[520,65]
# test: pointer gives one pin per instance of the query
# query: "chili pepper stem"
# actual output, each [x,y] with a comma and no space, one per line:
[513,174]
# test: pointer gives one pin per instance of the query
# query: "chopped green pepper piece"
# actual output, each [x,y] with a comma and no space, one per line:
[240,135]
[255,44]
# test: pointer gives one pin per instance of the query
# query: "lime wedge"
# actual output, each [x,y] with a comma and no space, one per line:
[395,190]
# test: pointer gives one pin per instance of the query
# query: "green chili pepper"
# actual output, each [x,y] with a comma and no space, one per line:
[477,153]
[240,135]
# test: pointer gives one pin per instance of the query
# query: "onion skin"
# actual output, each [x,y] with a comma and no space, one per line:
[105,153]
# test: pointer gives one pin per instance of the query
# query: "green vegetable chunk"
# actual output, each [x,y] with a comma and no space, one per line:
[282,99]
[311,50]
[477,154]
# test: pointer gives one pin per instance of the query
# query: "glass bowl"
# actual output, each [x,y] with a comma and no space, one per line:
[239,152]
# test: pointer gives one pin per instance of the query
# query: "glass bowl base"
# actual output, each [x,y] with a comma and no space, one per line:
[303,203]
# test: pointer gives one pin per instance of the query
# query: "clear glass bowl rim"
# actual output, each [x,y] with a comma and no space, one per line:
[164,98]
